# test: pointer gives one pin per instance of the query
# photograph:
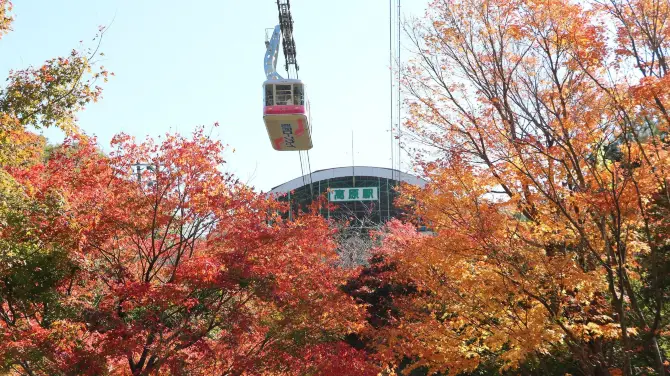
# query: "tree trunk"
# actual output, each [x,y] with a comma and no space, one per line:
[658,356]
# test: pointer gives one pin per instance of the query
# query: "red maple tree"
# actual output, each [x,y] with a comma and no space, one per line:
[177,269]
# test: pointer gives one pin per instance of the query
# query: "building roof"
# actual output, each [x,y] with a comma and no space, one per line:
[339,172]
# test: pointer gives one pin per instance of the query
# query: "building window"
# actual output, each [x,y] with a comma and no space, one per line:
[298,95]
[268,95]
[283,95]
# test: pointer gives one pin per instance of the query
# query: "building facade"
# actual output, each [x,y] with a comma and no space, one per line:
[362,192]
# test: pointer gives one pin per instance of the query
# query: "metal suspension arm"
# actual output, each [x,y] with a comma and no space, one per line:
[271,54]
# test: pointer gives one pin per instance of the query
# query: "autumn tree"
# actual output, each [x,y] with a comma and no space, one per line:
[45,97]
[180,269]
[31,265]
[542,127]
[5,16]
[357,233]
[36,98]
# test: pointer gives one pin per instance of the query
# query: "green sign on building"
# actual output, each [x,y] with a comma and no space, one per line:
[354,194]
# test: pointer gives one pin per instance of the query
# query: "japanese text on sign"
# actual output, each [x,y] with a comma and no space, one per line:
[287,131]
[354,194]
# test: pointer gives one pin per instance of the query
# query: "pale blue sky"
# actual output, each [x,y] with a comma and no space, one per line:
[183,64]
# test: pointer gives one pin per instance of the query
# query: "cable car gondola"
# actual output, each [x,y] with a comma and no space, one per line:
[286,114]
[285,105]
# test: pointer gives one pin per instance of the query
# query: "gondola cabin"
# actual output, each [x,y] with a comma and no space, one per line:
[286,114]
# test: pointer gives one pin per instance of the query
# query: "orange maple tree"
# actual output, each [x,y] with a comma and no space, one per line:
[543,130]
[5,16]
[48,96]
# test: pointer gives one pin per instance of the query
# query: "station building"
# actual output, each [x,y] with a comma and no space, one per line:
[363,192]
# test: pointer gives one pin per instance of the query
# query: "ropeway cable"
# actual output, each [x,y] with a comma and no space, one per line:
[302,171]
[302,163]
[399,97]
[311,182]
[309,165]
[391,79]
